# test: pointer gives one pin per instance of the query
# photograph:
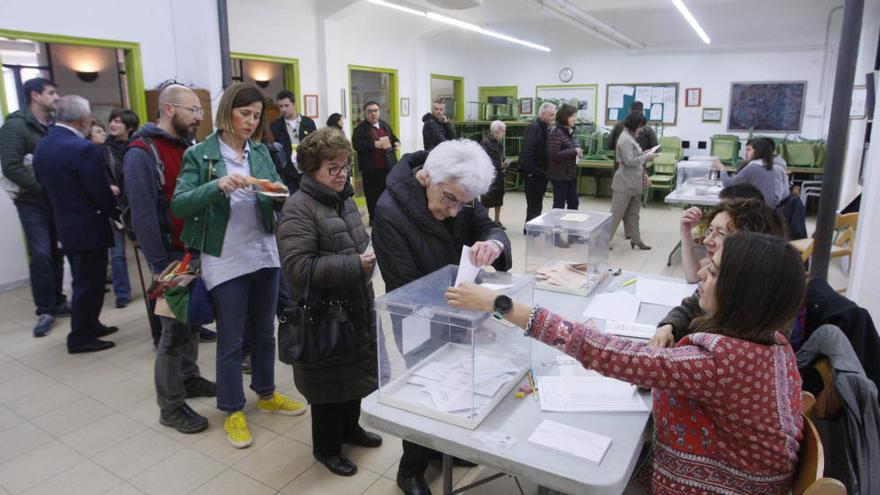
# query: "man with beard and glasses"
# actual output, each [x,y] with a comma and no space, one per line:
[150,168]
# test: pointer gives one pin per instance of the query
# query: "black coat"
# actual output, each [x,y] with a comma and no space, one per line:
[533,159]
[362,143]
[495,195]
[410,243]
[561,155]
[435,132]
[279,130]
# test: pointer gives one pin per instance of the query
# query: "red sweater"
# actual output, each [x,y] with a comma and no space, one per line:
[727,412]
[171,153]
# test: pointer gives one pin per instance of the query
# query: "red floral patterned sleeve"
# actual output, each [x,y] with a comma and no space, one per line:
[691,370]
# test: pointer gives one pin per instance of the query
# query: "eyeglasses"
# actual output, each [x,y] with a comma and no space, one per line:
[453,202]
[335,169]
[197,111]
[717,233]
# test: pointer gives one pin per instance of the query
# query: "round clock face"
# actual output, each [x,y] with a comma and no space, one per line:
[566,74]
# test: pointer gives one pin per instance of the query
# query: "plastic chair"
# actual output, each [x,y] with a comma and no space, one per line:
[809,475]
[671,144]
[663,177]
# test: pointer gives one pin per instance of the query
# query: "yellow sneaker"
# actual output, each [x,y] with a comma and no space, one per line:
[237,430]
[281,404]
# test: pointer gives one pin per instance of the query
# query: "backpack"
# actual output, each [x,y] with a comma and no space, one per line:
[162,206]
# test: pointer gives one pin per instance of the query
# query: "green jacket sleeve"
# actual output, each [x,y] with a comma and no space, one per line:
[13,148]
[191,196]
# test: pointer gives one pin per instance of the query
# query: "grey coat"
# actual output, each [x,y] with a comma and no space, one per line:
[629,176]
[317,222]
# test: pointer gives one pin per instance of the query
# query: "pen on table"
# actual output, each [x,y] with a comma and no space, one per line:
[630,282]
[532,383]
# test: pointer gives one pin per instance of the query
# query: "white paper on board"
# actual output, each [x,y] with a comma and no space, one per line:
[643,94]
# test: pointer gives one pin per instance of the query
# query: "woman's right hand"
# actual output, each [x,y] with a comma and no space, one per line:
[230,183]
[690,218]
[662,337]
[368,261]
[580,152]
[650,156]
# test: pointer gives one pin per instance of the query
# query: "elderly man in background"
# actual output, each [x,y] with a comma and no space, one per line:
[71,171]
[533,160]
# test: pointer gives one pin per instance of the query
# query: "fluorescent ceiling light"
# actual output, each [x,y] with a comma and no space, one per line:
[459,24]
[691,20]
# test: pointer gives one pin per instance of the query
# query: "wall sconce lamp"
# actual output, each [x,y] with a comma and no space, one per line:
[263,84]
[87,76]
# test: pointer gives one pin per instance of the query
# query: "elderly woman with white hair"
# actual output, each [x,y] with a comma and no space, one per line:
[427,213]
[494,146]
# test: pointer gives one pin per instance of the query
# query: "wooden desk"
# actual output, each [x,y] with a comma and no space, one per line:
[602,164]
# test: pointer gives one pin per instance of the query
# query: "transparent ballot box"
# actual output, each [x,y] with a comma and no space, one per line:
[566,250]
[449,364]
[697,177]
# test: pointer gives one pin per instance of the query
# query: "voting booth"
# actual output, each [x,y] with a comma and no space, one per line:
[567,250]
[449,364]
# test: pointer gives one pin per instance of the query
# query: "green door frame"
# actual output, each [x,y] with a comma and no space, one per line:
[595,103]
[133,63]
[484,92]
[393,105]
[291,71]
[458,92]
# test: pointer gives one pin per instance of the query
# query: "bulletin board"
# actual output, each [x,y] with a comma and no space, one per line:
[583,96]
[660,99]
[767,106]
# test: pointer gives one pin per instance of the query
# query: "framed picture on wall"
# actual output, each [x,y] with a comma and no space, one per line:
[693,97]
[404,107]
[526,106]
[310,102]
[712,114]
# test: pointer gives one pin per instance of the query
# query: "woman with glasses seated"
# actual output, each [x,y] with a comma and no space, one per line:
[427,213]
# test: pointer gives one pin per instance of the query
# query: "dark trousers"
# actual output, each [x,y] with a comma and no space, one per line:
[332,423]
[176,357]
[374,184]
[565,194]
[415,459]
[46,265]
[89,270]
[119,268]
[535,187]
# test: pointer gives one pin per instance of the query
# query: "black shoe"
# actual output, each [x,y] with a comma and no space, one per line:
[184,420]
[122,304]
[338,464]
[413,485]
[500,226]
[104,331]
[364,439]
[206,335]
[97,345]
[62,309]
[200,387]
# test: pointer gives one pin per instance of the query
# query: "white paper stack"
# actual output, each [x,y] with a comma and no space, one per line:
[581,443]
[588,393]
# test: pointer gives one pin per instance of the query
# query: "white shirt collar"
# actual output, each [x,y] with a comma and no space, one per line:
[376,125]
[297,119]
[71,129]
[226,151]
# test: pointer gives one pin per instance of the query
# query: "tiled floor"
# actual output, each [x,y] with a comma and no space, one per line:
[89,423]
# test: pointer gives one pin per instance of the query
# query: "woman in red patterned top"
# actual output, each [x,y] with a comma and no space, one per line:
[727,398]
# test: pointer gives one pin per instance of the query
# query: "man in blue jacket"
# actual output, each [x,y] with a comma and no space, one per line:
[71,171]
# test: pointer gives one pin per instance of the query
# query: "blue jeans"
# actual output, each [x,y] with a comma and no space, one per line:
[46,261]
[119,268]
[245,304]
[565,193]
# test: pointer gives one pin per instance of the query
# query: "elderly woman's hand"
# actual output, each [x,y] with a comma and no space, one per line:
[484,253]
[471,296]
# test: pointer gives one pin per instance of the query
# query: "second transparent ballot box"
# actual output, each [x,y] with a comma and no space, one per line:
[567,250]
[449,364]
[697,177]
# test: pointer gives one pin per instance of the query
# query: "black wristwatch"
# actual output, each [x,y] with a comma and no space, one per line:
[502,306]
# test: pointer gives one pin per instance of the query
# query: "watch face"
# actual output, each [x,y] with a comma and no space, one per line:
[503,304]
[566,74]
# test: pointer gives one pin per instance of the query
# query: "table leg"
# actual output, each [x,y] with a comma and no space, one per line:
[447,474]
[672,253]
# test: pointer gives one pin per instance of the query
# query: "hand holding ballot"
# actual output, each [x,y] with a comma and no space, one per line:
[471,296]
[484,253]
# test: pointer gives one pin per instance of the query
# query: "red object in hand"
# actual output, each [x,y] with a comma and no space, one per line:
[183,264]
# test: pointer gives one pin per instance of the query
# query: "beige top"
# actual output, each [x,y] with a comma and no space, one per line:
[628,178]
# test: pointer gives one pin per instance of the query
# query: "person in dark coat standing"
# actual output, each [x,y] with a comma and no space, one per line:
[436,127]
[424,218]
[291,127]
[647,139]
[533,161]
[71,170]
[562,157]
[493,144]
[376,147]
[321,223]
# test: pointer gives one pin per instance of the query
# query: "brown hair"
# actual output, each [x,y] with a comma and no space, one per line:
[564,112]
[324,144]
[236,96]
[750,215]
[764,151]
[759,290]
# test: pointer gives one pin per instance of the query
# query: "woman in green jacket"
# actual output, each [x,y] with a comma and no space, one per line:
[233,227]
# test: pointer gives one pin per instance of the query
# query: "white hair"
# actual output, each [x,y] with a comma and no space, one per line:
[72,108]
[546,107]
[462,162]
[496,126]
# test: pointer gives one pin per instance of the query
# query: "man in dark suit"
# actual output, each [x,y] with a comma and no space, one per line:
[376,147]
[291,128]
[71,171]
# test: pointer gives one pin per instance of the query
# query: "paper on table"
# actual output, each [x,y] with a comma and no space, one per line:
[652,291]
[574,441]
[467,272]
[588,393]
[450,399]
[619,305]
[627,329]
[575,217]
[495,287]
[416,331]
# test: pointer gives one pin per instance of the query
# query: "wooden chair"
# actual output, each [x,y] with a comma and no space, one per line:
[845,225]
[809,478]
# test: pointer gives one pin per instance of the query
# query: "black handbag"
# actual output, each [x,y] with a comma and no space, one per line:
[317,329]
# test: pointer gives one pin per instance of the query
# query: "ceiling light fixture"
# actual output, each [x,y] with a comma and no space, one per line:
[691,20]
[459,24]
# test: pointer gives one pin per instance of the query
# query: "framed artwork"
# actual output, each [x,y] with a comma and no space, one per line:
[858,109]
[766,106]
[712,114]
[693,97]
[310,102]
[526,106]
[404,107]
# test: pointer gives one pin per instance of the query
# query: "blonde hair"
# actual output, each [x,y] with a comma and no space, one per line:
[236,96]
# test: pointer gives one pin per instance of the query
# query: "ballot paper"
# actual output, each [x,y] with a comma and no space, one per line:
[628,329]
[495,287]
[449,399]
[655,148]
[618,306]
[652,291]
[575,217]
[467,272]
[416,331]
[575,441]
[588,393]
